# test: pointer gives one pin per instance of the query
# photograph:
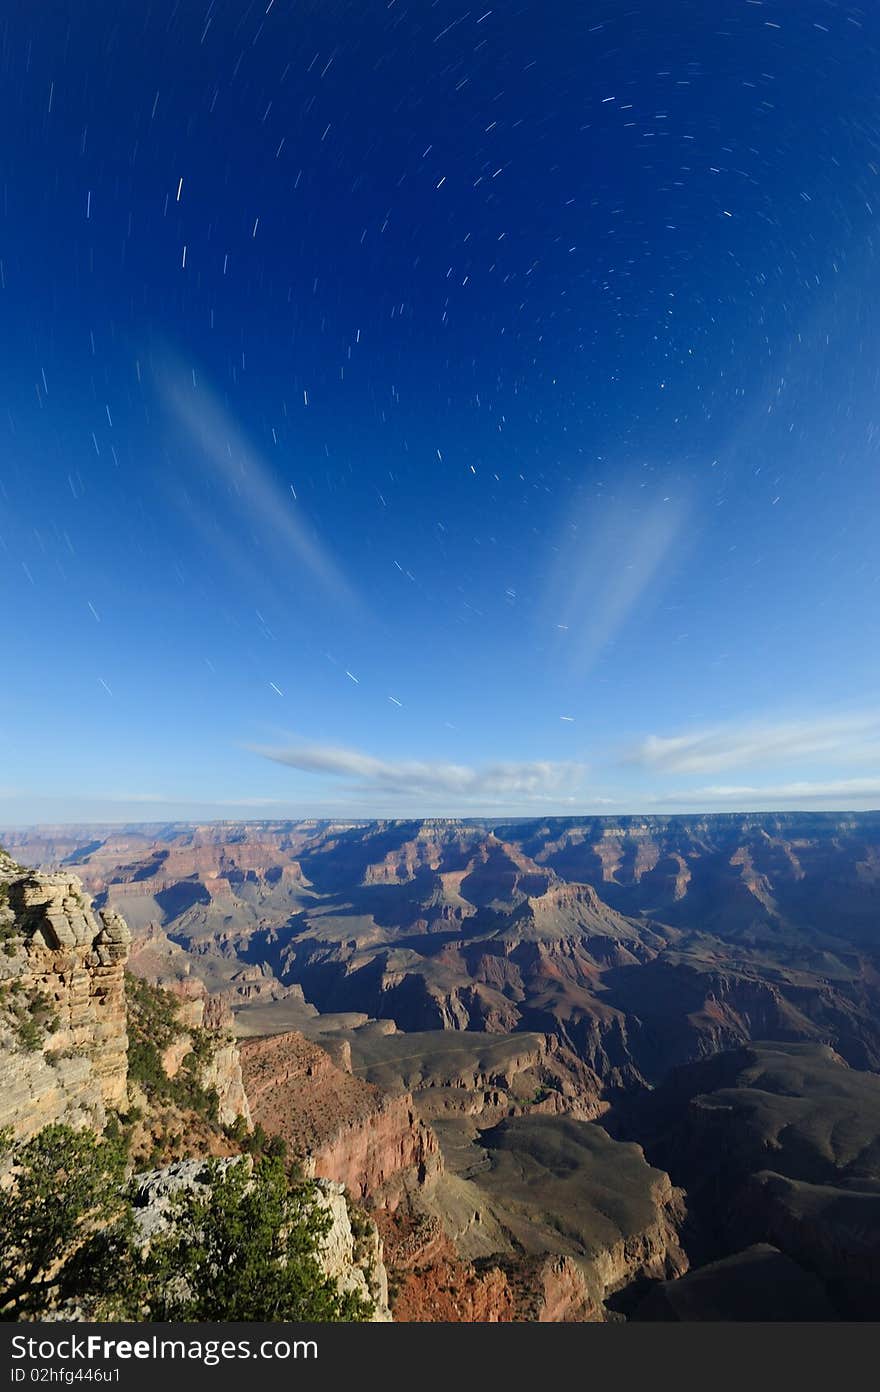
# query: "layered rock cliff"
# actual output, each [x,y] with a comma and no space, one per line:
[344,1128]
[65,1011]
[571,1215]
[63,1036]
[476,1074]
[541,1218]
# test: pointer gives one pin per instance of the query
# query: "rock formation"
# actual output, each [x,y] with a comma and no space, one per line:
[355,1262]
[439,1013]
[540,1218]
[63,1034]
[222,1069]
[470,1073]
[63,1015]
[639,943]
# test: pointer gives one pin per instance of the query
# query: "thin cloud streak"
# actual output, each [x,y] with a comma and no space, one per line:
[609,557]
[849,738]
[840,791]
[250,481]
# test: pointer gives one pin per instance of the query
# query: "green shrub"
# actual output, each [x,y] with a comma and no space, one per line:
[246,1250]
[257,1142]
[242,1246]
[30,1013]
[64,1182]
[153,1025]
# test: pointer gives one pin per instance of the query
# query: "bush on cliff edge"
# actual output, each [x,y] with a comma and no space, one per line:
[243,1246]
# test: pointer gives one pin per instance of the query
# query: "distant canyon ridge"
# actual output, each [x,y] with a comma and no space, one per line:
[635,944]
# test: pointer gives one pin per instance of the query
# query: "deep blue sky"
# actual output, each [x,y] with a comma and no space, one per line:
[518,364]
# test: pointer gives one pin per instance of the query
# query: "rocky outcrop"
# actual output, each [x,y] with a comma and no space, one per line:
[355,1262]
[556,1290]
[344,1128]
[223,1073]
[432,1283]
[63,1037]
[541,1218]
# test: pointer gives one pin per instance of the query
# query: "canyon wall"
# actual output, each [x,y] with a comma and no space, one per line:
[222,1069]
[63,1012]
[344,1128]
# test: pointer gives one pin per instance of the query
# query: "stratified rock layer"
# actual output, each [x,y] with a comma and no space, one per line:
[63,1034]
[345,1128]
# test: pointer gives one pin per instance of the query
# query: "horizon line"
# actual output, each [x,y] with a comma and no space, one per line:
[438,817]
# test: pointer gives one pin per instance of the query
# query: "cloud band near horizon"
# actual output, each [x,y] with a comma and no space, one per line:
[537,781]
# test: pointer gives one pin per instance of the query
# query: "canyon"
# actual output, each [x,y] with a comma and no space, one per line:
[524,1046]
[82,1045]
[638,944]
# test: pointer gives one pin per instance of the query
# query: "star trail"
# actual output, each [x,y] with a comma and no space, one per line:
[407,408]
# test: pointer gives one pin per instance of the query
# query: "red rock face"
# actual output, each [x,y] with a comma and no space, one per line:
[376,1156]
[560,1294]
[432,1281]
[345,1129]
[432,1284]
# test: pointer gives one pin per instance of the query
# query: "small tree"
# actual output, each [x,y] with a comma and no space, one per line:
[245,1248]
[64,1185]
[243,1245]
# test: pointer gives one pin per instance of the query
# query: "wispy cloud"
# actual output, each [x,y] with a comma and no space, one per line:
[849,738]
[609,555]
[166,800]
[263,507]
[507,783]
[840,793]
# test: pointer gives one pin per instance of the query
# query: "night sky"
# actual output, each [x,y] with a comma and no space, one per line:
[408,408]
